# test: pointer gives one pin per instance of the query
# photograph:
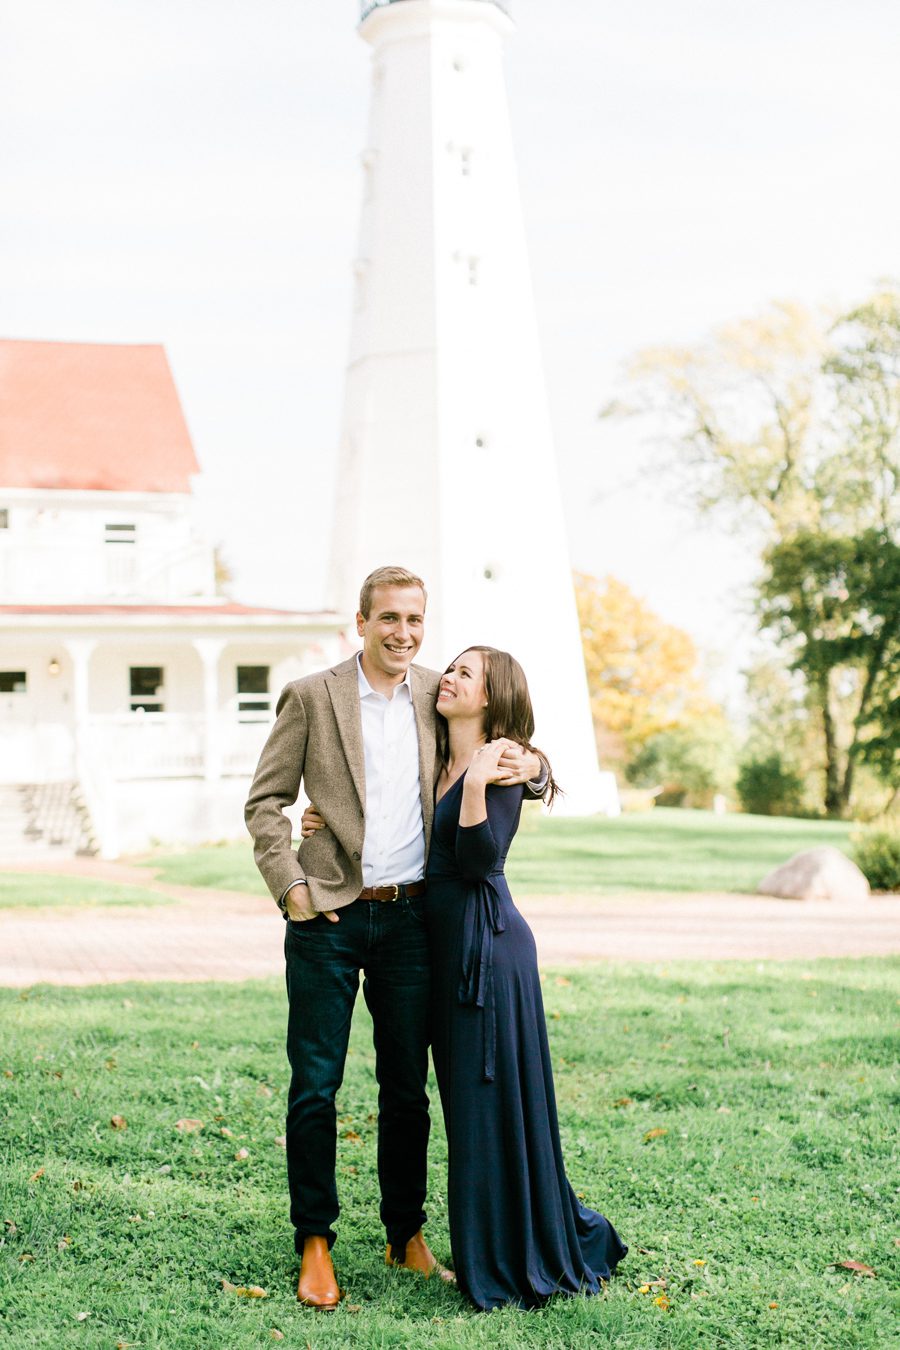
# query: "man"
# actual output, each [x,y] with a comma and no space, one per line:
[361,739]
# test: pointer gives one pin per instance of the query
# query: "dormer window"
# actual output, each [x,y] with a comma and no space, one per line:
[119,534]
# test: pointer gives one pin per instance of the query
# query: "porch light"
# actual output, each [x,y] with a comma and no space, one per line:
[54,667]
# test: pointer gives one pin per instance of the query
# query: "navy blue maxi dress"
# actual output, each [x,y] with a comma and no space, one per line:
[517,1230]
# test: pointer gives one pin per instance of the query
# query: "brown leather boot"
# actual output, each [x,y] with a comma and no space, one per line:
[317,1286]
[420,1258]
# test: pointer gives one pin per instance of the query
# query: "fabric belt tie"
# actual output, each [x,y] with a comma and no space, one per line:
[388,893]
[483,918]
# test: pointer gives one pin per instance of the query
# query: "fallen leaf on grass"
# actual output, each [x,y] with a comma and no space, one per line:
[858,1267]
[126,1345]
[224,1130]
[773,1305]
[118,1122]
[281,1141]
[624,1101]
[264,1090]
[10,1226]
[276,1334]
[63,1243]
[353,1137]
[82,1317]
[352,1307]
[36,1176]
[188,1125]
[244,1290]
[241,1154]
[26,1256]
[654,1134]
[8,1073]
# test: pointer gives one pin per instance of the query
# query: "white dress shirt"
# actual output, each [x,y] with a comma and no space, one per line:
[394,843]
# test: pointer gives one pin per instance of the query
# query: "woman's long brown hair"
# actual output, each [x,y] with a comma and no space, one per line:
[508,713]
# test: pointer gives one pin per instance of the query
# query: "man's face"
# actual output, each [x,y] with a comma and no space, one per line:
[393,632]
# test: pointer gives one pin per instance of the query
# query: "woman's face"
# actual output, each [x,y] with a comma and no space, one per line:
[461,692]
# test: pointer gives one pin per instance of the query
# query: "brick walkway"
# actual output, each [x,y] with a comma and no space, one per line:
[221,935]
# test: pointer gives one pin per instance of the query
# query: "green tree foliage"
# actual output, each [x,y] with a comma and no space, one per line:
[769,787]
[876,852]
[689,763]
[792,426]
[835,603]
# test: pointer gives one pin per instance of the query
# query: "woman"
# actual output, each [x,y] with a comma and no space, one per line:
[517,1231]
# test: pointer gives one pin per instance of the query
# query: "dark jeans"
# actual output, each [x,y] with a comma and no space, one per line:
[387,942]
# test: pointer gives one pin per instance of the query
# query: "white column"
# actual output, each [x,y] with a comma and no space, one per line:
[209,650]
[79,651]
[94,778]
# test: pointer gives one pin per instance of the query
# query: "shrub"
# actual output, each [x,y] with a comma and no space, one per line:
[686,765]
[769,787]
[876,852]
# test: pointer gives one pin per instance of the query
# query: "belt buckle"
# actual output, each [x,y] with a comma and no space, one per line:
[396,895]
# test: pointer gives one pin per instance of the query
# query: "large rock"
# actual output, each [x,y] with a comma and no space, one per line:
[817,874]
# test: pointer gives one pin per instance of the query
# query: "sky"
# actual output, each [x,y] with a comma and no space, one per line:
[187,172]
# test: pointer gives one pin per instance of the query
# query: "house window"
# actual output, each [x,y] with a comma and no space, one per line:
[13,682]
[119,534]
[146,684]
[4,517]
[254,703]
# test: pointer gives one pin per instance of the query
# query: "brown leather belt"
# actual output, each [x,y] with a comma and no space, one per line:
[386,893]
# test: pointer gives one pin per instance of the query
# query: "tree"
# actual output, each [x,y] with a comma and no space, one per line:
[792,426]
[690,763]
[642,673]
[835,602]
[788,421]
[864,371]
[736,418]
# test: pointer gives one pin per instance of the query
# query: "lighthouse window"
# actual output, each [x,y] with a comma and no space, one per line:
[254,702]
[13,682]
[146,689]
[120,534]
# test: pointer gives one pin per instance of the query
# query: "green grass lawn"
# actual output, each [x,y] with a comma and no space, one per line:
[737,1122]
[37,890]
[660,850]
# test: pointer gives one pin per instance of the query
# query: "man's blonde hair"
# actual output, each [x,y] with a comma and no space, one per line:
[387,576]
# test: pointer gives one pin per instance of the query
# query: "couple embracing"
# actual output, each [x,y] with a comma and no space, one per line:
[417,781]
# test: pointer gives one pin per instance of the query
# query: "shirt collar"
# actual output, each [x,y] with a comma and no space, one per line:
[365,689]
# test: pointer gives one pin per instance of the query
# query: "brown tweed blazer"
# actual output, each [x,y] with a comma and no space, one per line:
[317,740]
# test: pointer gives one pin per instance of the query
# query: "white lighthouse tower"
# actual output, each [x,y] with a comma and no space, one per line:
[446,461]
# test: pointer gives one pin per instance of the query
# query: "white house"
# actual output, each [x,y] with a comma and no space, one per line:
[134,700]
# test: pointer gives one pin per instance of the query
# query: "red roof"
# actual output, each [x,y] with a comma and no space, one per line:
[90,416]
